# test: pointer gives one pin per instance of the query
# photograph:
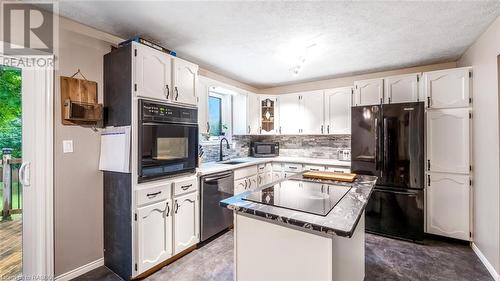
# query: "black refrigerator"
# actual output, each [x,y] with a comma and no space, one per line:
[387,141]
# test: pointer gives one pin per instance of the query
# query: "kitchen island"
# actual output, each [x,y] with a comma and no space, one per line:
[299,229]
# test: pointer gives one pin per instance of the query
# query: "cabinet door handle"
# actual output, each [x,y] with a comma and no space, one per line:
[428,180]
[168,210]
[328,129]
[389,99]
[260,130]
[208,127]
[186,187]
[168,91]
[428,102]
[176,93]
[250,184]
[153,195]
[321,129]
[246,183]
[280,129]
[249,129]
[176,206]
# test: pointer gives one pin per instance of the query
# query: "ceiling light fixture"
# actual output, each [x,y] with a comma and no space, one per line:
[301,60]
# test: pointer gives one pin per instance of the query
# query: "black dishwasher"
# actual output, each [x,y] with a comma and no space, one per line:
[214,188]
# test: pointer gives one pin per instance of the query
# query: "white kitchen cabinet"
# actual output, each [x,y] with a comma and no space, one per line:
[240,186]
[337,169]
[448,206]
[312,112]
[253,111]
[252,182]
[154,234]
[401,88]
[278,176]
[338,104]
[268,115]
[240,114]
[184,78]
[368,92]
[448,137]
[152,73]
[186,221]
[290,119]
[264,178]
[448,88]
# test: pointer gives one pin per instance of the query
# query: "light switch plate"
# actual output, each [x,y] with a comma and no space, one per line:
[67,146]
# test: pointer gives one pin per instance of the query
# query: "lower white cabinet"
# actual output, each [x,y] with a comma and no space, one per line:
[154,234]
[186,221]
[448,207]
[264,178]
[278,176]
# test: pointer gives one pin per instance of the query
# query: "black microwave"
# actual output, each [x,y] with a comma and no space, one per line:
[265,149]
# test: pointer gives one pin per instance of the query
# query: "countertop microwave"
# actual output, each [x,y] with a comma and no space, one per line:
[264,149]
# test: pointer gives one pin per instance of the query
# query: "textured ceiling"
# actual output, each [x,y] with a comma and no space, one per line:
[260,42]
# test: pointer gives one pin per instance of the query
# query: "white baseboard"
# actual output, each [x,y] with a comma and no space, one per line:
[81,270]
[486,263]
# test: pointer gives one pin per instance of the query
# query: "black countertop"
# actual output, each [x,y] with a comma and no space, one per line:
[341,220]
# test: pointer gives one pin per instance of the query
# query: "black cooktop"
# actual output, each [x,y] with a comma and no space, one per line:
[310,197]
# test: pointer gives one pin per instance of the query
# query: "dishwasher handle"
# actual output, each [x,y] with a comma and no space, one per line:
[218,177]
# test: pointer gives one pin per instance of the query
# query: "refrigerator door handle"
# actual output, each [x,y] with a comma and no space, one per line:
[376,144]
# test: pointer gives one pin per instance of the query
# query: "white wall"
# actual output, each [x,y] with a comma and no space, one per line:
[482,55]
[78,205]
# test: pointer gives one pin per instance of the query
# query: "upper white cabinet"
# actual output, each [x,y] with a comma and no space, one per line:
[368,92]
[448,88]
[448,136]
[312,112]
[186,221]
[158,75]
[448,206]
[253,112]
[290,120]
[184,78]
[152,73]
[338,110]
[240,114]
[154,234]
[401,89]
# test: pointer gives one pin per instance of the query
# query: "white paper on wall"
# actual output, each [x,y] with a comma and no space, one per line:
[115,149]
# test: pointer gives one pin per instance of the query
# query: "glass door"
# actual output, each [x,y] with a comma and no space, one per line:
[11,195]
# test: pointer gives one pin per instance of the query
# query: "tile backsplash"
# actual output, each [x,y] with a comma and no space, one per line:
[313,146]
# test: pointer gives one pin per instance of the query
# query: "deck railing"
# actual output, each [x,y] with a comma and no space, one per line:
[11,189]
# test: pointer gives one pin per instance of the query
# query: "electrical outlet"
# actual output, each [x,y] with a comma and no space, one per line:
[67,146]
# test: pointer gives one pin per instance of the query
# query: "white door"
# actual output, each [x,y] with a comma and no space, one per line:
[154,234]
[28,97]
[202,93]
[313,118]
[448,88]
[185,75]
[448,205]
[448,136]
[186,221]
[368,92]
[401,88]
[153,73]
[338,110]
[240,102]
[290,119]
[253,112]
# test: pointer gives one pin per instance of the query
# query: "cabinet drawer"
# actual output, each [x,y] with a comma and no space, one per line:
[185,185]
[264,168]
[313,168]
[277,167]
[153,193]
[338,169]
[292,167]
[245,172]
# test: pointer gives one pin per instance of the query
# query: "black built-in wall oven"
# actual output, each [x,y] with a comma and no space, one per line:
[168,140]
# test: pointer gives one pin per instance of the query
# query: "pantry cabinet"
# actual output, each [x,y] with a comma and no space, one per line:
[368,92]
[448,211]
[338,110]
[312,116]
[152,73]
[402,89]
[290,120]
[184,78]
[448,88]
[186,221]
[154,234]
[448,137]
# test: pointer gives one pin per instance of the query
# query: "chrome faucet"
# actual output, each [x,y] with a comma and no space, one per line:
[221,155]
